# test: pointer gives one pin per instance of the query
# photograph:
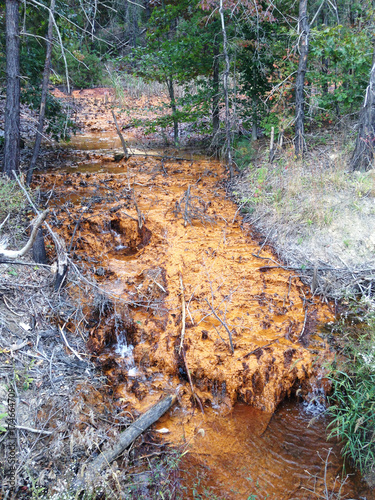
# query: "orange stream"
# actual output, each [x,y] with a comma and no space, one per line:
[214,262]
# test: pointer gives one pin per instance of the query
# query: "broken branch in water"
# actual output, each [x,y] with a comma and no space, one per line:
[93,469]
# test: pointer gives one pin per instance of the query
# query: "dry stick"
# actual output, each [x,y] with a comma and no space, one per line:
[304,325]
[125,439]
[261,347]
[19,263]
[4,221]
[140,217]
[223,323]
[126,152]
[13,254]
[62,256]
[68,346]
[272,153]
[191,383]
[183,315]
[36,431]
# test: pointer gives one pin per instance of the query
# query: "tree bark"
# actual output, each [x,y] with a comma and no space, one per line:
[363,156]
[43,98]
[12,106]
[226,93]
[304,33]
[173,108]
[215,86]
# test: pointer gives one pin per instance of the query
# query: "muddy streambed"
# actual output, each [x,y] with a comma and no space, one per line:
[200,308]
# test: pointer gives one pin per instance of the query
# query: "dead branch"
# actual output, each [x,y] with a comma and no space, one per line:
[223,324]
[192,207]
[262,347]
[126,152]
[191,382]
[14,254]
[68,346]
[62,256]
[4,221]
[36,431]
[140,216]
[124,440]
[183,315]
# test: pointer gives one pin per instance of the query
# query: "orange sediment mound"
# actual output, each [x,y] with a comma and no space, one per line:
[136,228]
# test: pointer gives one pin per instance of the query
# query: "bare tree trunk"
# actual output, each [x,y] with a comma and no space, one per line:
[363,155]
[174,109]
[228,144]
[304,34]
[215,85]
[12,106]
[43,98]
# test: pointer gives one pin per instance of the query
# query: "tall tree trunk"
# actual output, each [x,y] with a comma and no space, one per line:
[304,31]
[254,128]
[146,4]
[12,106]
[43,99]
[215,86]
[363,155]
[226,94]
[170,85]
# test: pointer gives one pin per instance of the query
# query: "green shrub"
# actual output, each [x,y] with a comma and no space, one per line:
[13,206]
[353,400]
[243,153]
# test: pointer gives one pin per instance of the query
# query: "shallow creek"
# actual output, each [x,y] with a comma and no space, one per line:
[162,236]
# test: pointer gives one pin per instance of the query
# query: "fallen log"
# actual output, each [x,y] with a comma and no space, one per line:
[89,472]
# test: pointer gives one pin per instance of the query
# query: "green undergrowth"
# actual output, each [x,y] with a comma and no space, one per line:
[13,210]
[352,404]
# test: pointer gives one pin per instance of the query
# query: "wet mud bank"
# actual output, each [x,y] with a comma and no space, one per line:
[190,303]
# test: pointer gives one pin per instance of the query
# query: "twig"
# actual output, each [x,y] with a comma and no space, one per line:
[36,431]
[223,323]
[191,383]
[304,325]
[19,263]
[261,347]
[68,346]
[10,309]
[4,221]
[183,306]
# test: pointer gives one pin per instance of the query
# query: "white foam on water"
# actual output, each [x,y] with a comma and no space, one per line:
[125,350]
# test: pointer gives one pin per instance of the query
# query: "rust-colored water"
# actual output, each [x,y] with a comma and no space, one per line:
[167,264]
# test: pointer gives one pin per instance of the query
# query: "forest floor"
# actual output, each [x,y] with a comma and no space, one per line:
[317,215]
[291,207]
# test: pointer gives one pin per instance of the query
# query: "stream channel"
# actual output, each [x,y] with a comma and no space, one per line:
[163,237]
